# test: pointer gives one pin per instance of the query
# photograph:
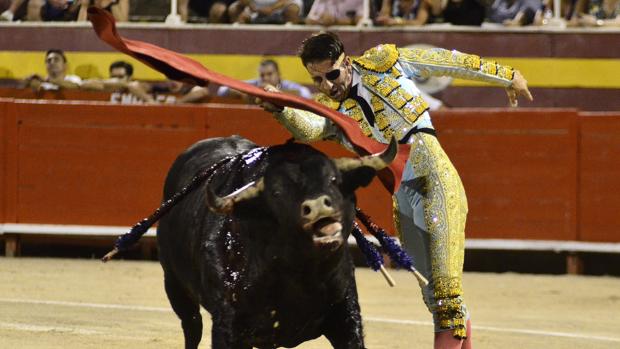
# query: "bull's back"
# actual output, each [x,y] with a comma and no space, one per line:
[185,228]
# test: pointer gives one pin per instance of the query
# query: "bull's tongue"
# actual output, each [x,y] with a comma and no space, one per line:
[330,228]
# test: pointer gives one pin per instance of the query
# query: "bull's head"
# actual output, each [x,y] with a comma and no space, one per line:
[310,192]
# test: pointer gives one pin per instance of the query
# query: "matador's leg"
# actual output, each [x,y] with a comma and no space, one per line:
[432,209]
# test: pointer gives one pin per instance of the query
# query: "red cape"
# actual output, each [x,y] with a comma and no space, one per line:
[178,67]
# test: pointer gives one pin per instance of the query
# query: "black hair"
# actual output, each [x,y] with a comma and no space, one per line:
[319,47]
[122,64]
[270,62]
[60,52]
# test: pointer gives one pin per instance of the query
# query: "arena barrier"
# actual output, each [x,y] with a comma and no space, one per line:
[535,178]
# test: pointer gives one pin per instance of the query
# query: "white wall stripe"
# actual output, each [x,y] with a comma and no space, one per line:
[370,319]
[470,244]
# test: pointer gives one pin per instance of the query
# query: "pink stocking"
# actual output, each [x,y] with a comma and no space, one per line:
[445,340]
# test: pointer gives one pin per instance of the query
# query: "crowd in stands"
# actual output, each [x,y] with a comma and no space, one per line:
[121,84]
[586,13]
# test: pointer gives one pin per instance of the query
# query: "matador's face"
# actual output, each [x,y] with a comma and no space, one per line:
[332,78]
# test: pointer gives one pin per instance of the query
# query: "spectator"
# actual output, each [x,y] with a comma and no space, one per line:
[124,89]
[265,11]
[568,8]
[268,74]
[121,80]
[118,8]
[216,11]
[56,67]
[403,12]
[601,13]
[460,12]
[189,93]
[335,12]
[44,10]
[513,13]
[13,10]
[121,71]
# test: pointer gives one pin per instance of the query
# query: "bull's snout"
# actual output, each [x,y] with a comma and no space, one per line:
[320,218]
[313,209]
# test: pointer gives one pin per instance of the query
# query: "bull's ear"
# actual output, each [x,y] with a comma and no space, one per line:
[359,177]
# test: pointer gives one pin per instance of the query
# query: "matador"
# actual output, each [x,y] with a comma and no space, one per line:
[430,207]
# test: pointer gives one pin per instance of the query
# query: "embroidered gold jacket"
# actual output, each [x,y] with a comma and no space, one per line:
[385,73]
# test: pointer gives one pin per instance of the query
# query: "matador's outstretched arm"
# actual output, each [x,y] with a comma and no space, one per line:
[440,62]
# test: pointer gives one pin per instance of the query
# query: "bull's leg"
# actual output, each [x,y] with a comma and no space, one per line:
[186,309]
[223,334]
[343,328]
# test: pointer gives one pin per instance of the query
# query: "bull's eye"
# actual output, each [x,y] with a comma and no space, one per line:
[275,193]
[333,179]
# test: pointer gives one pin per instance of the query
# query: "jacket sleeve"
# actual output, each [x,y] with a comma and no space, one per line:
[308,127]
[424,63]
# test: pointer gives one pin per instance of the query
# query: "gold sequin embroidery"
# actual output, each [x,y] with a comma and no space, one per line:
[396,73]
[377,104]
[325,100]
[446,58]
[408,106]
[387,85]
[378,59]
[354,111]
[445,212]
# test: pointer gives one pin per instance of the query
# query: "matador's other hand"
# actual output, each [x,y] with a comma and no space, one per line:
[267,106]
[518,87]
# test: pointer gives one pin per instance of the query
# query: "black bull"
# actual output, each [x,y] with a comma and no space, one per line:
[269,261]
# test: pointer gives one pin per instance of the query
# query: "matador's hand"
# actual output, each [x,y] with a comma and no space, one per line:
[270,107]
[518,87]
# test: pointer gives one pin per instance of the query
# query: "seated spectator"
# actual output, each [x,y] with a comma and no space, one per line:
[118,8]
[403,12]
[460,12]
[265,11]
[568,12]
[127,90]
[13,10]
[121,71]
[57,77]
[601,13]
[44,10]
[268,74]
[168,91]
[514,13]
[124,89]
[215,11]
[335,12]
[65,10]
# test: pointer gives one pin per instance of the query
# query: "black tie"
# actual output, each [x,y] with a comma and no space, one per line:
[370,116]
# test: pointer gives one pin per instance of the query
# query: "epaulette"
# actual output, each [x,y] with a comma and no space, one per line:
[325,100]
[379,58]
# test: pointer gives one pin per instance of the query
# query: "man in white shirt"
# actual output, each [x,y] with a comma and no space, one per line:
[57,77]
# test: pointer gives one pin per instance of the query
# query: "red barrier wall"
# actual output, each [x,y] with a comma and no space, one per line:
[95,163]
[599,170]
[518,168]
[98,163]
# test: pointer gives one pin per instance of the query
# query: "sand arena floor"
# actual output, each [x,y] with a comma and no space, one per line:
[70,303]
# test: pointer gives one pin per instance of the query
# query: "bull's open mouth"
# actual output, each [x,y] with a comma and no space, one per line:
[327,232]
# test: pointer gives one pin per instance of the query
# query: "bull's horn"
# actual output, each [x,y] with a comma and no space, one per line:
[377,161]
[225,204]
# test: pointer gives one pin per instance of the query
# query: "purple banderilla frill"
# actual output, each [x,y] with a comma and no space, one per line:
[373,257]
[389,245]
